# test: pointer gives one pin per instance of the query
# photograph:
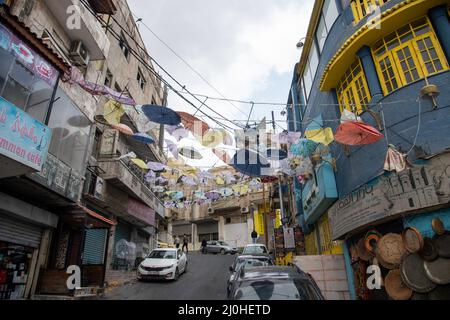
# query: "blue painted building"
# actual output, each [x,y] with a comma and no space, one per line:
[378,62]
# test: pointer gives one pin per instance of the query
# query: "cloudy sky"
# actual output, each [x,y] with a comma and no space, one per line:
[246,49]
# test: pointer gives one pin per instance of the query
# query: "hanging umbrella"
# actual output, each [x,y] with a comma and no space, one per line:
[143,137]
[269,179]
[276,154]
[240,189]
[175,163]
[213,195]
[79,121]
[156,166]
[141,164]
[171,129]
[212,138]
[222,155]
[162,115]
[190,181]
[355,133]
[113,112]
[128,155]
[303,148]
[226,192]
[193,124]
[175,195]
[150,176]
[123,128]
[158,189]
[161,180]
[180,133]
[191,153]
[200,195]
[250,163]
[173,148]
[349,116]
[205,175]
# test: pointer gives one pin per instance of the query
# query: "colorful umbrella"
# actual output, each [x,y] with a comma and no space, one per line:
[123,128]
[171,129]
[113,112]
[158,189]
[193,124]
[205,175]
[101,90]
[222,155]
[174,163]
[240,189]
[190,181]
[191,153]
[143,137]
[212,138]
[156,166]
[128,155]
[303,148]
[180,133]
[141,164]
[150,176]
[226,192]
[355,133]
[213,195]
[162,115]
[250,163]
[161,180]
[276,154]
[200,195]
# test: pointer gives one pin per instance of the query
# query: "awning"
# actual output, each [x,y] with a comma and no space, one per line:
[77,213]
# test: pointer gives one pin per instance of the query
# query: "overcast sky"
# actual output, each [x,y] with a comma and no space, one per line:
[245,48]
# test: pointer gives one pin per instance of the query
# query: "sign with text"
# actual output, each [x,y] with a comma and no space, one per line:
[259,222]
[391,195]
[23,138]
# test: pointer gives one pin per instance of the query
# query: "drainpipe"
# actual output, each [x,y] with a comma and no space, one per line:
[441,24]
[371,73]
[349,271]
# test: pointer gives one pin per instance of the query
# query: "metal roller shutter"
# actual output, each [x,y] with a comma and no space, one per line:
[94,246]
[18,232]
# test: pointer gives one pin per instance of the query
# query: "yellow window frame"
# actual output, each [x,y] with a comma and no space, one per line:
[415,53]
[361,10]
[351,88]
[415,59]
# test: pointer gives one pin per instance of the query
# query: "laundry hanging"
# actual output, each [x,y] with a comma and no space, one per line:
[355,133]
[324,135]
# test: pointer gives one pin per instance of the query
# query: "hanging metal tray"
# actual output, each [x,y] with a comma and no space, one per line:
[413,274]
[395,287]
[438,270]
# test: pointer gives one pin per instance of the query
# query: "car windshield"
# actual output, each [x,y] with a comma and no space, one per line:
[162,254]
[253,262]
[254,249]
[223,243]
[277,290]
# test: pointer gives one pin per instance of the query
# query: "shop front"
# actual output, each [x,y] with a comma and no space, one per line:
[399,223]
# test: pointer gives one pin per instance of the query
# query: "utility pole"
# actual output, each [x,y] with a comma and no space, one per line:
[273,121]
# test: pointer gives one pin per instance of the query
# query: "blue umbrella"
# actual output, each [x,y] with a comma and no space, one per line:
[276,154]
[304,148]
[162,115]
[250,163]
[143,137]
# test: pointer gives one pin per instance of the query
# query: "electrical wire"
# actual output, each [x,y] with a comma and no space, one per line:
[151,69]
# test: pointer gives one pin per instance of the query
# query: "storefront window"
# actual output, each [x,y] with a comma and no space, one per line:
[26,79]
[14,270]
[407,55]
[71,129]
[362,8]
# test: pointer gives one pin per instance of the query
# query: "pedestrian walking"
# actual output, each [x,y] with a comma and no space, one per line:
[185,243]
[177,242]
[204,243]
[254,236]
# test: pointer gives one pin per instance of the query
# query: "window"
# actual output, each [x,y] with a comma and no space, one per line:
[352,90]
[97,141]
[363,8]
[407,55]
[141,80]
[108,79]
[321,34]
[330,12]
[310,70]
[71,130]
[124,46]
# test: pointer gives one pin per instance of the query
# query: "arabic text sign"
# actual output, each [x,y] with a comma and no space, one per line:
[23,138]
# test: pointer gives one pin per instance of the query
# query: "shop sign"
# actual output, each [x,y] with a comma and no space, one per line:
[258,219]
[391,195]
[30,59]
[289,238]
[141,211]
[23,138]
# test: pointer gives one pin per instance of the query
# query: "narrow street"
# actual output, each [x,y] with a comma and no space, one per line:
[205,279]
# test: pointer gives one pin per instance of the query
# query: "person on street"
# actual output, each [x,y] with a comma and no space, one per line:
[185,243]
[254,236]
[204,243]
[177,242]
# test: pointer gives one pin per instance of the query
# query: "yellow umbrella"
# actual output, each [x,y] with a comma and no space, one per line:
[212,138]
[324,135]
[219,180]
[174,163]
[113,111]
[141,164]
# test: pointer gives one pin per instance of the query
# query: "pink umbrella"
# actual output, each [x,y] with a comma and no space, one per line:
[123,128]
[356,133]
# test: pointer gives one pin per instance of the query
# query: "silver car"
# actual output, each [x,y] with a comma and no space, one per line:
[219,246]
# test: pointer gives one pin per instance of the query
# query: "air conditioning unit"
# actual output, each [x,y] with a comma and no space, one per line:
[210,211]
[79,53]
[245,210]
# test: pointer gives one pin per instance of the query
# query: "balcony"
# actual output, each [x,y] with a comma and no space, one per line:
[90,32]
[131,180]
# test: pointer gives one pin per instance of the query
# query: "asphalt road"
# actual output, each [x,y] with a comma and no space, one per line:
[206,279]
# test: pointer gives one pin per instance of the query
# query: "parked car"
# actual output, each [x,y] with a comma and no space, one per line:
[274,283]
[246,261]
[219,247]
[163,263]
[255,248]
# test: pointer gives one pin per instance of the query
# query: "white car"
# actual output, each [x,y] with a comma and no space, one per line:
[163,263]
[255,248]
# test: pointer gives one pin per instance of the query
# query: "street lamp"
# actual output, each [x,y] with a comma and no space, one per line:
[300,43]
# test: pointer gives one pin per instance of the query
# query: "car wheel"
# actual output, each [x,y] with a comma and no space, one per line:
[177,274]
[222,251]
